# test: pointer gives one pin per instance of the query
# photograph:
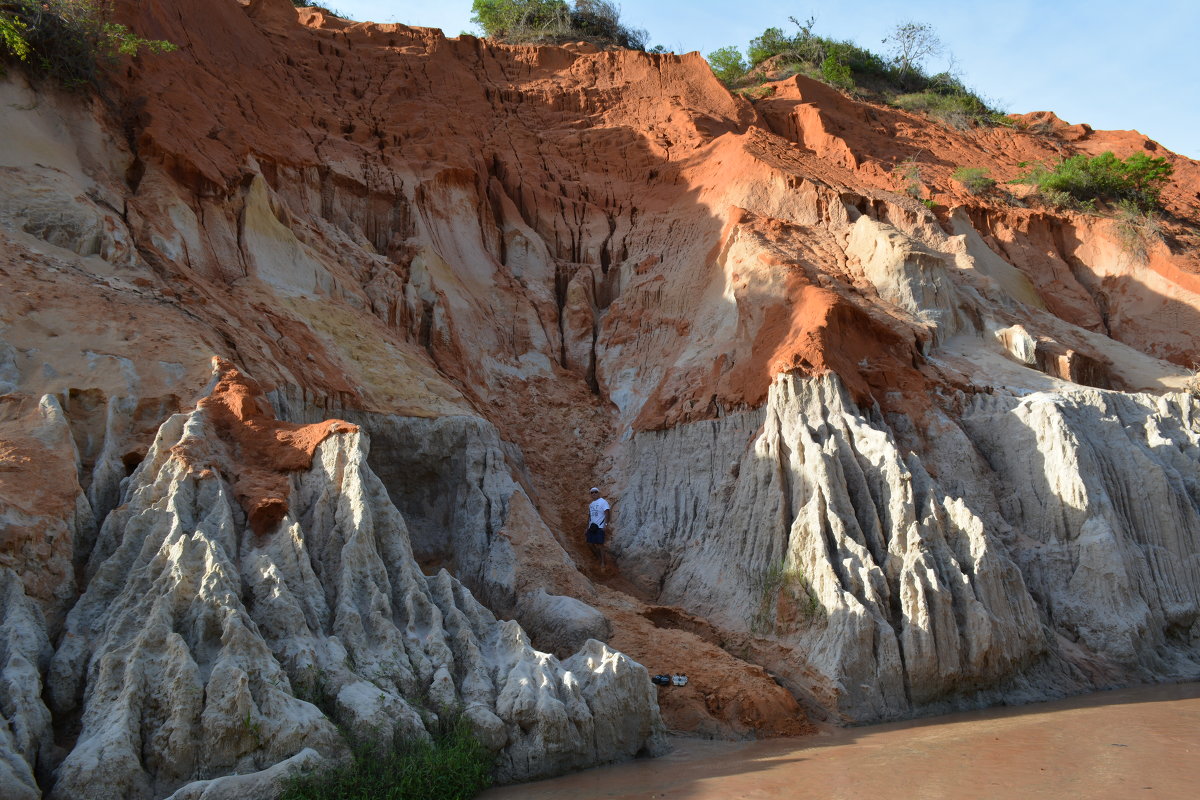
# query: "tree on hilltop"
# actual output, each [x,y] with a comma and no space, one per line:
[499,18]
[554,21]
[912,43]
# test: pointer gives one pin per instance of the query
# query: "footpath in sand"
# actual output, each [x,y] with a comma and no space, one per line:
[1120,744]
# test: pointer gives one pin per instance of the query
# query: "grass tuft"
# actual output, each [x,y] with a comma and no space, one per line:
[797,593]
[452,765]
[975,179]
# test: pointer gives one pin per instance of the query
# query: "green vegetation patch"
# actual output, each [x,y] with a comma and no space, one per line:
[553,21]
[977,180]
[787,589]
[951,105]
[1080,181]
[897,78]
[453,765]
[728,65]
[67,41]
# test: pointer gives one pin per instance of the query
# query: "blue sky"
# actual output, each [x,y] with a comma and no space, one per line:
[1114,65]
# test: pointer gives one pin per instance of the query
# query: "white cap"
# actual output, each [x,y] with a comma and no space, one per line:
[594,489]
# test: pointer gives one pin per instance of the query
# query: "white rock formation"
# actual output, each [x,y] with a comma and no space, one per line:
[262,785]
[1046,545]
[455,482]
[24,718]
[907,274]
[201,650]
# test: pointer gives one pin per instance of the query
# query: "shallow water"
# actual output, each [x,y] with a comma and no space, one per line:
[1130,743]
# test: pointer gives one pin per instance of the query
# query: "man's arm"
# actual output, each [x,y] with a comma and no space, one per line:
[608,518]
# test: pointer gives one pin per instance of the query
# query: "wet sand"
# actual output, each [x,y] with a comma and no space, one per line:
[1123,744]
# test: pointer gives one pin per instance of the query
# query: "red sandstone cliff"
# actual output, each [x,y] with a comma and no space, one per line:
[526,270]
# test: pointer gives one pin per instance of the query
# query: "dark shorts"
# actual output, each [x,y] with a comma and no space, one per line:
[595,534]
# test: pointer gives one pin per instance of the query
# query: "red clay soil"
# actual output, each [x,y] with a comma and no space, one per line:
[725,696]
[600,138]
[264,451]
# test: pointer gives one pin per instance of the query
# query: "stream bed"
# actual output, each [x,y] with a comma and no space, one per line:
[1128,743]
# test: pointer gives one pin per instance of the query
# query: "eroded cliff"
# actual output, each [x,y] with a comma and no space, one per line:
[867,459]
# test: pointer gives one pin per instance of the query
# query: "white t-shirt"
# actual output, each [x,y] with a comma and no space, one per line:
[596,510]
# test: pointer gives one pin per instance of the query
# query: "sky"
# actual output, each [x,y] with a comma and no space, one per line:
[1112,64]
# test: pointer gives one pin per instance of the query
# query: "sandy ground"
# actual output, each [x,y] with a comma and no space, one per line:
[1121,744]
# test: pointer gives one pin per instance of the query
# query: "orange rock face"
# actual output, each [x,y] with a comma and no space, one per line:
[576,245]
[42,509]
[263,451]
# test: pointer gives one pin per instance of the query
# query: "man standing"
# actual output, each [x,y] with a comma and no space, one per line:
[599,515]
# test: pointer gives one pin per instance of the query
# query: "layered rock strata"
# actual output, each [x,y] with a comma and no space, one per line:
[867,458]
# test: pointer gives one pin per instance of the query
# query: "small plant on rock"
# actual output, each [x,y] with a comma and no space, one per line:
[790,583]
[1137,230]
[909,171]
[976,180]
[756,92]
[1192,386]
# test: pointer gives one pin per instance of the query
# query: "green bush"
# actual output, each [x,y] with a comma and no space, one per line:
[900,80]
[499,18]
[958,110]
[1139,179]
[975,179]
[67,40]
[837,74]
[809,49]
[454,766]
[554,21]
[772,42]
[862,62]
[728,65]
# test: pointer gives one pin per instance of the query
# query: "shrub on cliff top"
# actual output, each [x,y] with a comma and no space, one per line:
[67,40]
[957,109]
[597,21]
[499,18]
[900,79]
[1139,179]
[727,64]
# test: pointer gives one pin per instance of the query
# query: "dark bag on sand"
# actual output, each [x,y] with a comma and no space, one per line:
[661,680]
